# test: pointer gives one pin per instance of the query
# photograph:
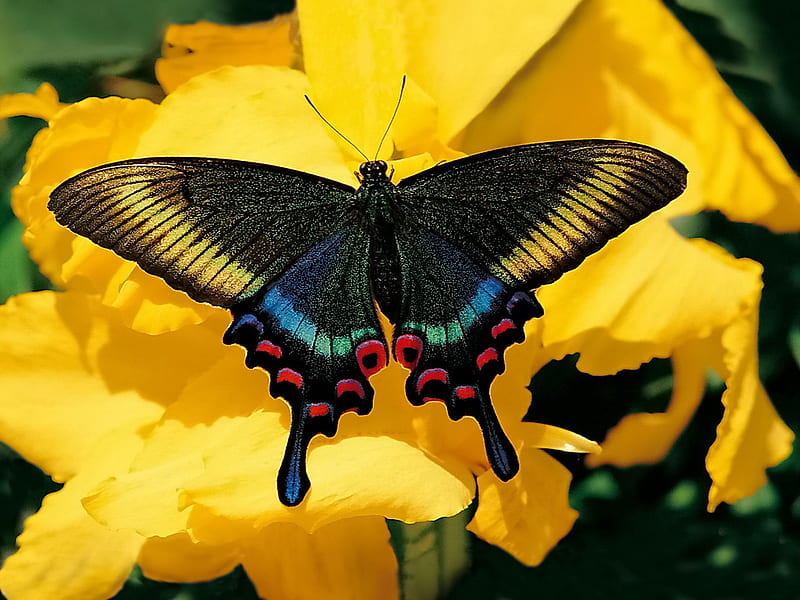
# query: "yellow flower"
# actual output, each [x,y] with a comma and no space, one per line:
[168,445]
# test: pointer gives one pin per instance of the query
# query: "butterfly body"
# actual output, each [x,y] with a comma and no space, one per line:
[378,197]
[450,255]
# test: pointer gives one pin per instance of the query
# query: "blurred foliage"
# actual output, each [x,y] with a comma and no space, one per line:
[644,531]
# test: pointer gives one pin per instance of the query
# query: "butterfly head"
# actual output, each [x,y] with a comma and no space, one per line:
[373,170]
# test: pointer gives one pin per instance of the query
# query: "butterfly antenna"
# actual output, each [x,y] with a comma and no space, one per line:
[394,114]
[329,124]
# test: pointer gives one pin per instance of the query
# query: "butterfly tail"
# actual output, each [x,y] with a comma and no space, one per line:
[499,450]
[293,481]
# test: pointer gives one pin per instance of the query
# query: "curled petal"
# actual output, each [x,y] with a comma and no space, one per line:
[42,104]
[751,436]
[539,435]
[645,294]
[190,50]
[528,515]
[647,437]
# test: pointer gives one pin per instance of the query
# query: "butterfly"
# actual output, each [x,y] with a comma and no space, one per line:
[450,255]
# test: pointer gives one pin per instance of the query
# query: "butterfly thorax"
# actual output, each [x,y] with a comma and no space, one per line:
[378,197]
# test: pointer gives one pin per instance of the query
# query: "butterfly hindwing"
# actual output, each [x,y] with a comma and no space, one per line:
[217,229]
[316,331]
[455,322]
[530,213]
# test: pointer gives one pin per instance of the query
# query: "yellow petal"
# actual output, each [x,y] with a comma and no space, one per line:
[539,435]
[647,437]
[189,50]
[360,66]
[510,394]
[212,408]
[63,552]
[350,477]
[751,436]
[346,559]
[255,113]
[42,104]
[645,294]
[81,136]
[585,84]
[443,37]
[63,373]
[177,559]
[217,451]
[528,515]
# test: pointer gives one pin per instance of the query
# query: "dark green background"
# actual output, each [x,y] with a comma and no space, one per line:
[644,531]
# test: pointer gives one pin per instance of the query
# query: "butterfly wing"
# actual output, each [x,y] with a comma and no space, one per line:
[456,320]
[481,232]
[315,330]
[530,213]
[217,229]
[284,250]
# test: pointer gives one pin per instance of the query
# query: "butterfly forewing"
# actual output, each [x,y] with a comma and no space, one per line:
[217,229]
[530,213]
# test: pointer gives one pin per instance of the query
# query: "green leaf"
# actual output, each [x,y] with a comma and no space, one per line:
[16,269]
[431,556]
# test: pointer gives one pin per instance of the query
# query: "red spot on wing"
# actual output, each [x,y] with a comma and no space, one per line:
[320,409]
[290,376]
[349,385]
[502,327]
[267,347]
[371,357]
[429,376]
[408,350]
[465,392]
[487,356]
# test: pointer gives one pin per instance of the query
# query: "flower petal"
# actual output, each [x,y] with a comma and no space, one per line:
[346,559]
[671,97]
[62,536]
[190,50]
[361,65]
[539,435]
[351,477]
[177,559]
[79,137]
[444,36]
[633,296]
[216,453]
[213,405]
[255,113]
[63,373]
[751,436]
[647,437]
[42,104]
[528,515]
